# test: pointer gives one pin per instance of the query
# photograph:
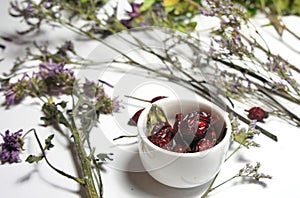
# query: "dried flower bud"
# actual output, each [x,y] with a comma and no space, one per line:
[11,147]
[257,113]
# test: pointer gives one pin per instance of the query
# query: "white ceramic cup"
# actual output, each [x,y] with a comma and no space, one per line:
[182,170]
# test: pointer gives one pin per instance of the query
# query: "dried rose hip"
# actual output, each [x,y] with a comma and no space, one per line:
[257,113]
[161,134]
[195,125]
[193,133]
[203,144]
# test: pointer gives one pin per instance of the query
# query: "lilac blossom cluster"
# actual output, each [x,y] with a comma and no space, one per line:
[11,147]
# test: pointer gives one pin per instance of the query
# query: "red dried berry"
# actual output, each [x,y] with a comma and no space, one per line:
[194,131]
[161,135]
[195,125]
[160,142]
[203,144]
[202,127]
[257,113]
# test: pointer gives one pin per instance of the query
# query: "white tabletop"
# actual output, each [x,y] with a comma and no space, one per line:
[279,159]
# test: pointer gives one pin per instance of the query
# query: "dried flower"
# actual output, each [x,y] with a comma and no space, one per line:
[96,93]
[11,147]
[134,13]
[257,113]
[117,104]
[251,171]
[91,90]
[17,91]
[55,78]
[48,70]
[244,136]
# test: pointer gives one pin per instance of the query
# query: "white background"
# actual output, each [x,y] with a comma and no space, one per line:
[279,159]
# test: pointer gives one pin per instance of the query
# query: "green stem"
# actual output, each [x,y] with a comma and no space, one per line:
[224,182]
[290,114]
[78,180]
[124,136]
[210,186]
[135,98]
[85,164]
[235,151]
[213,181]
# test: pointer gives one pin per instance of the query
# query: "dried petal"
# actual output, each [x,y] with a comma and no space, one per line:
[134,119]
[157,98]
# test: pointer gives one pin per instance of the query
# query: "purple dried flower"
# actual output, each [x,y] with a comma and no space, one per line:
[126,23]
[134,13]
[92,90]
[11,147]
[159,10]
[53,69]
[56,78]
[24,9]
[17,91]
[135,10]
[117,106]
[10,96]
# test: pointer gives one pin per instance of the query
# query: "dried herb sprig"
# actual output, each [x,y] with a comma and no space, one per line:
[245,139]
[51,80]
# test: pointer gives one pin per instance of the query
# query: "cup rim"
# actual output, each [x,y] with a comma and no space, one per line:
[142,121]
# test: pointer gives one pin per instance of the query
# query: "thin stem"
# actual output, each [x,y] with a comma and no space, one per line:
[124,136]
[262,130]
[78,180]
[210,186]
[234,152]
[290,114]
[291,32]
[224,182]
[140,99]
